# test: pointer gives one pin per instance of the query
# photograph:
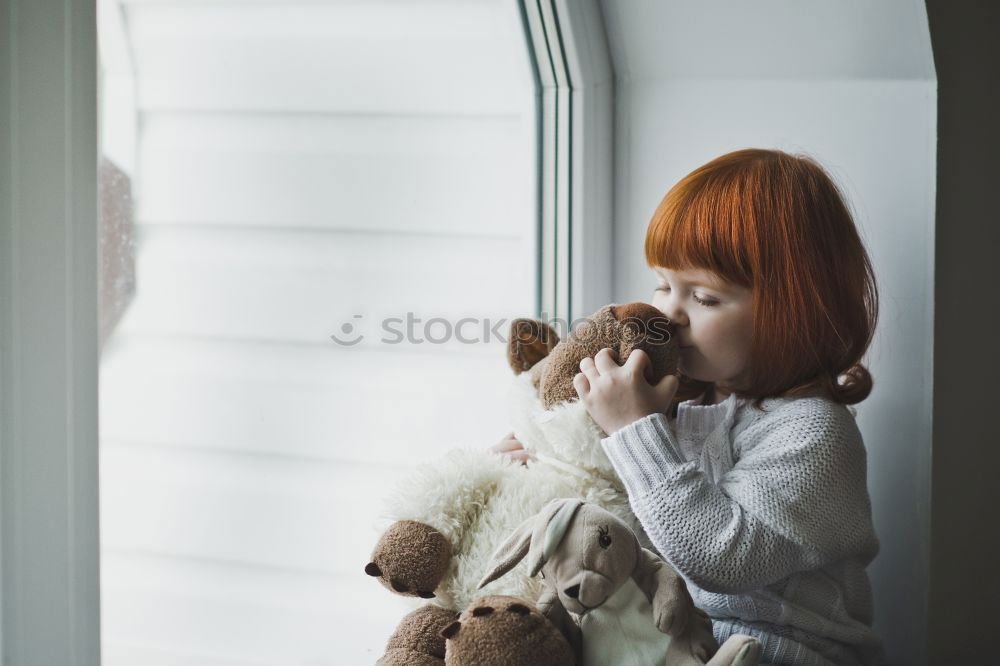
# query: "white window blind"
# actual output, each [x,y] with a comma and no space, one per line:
[299,168]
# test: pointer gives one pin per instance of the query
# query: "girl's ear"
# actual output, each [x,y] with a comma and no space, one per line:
[509,553]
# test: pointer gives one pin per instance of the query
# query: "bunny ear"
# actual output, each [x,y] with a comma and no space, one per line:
[550,528]
[538,537]
[509,553]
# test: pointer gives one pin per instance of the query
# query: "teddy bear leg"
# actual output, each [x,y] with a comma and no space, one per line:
[503,630]
[417,640]
[410,559]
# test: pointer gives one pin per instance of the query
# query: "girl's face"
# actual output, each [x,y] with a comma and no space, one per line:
[714,322]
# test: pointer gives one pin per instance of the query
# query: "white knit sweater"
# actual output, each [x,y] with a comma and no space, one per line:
[766,515]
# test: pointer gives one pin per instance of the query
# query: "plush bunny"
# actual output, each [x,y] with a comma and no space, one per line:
[632,607]
[450,515]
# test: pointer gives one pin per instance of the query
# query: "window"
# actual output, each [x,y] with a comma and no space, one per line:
[297,172]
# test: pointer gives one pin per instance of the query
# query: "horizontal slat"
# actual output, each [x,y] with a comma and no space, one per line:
[469,176]
[120,653]
[329,403]
[299,163]
[299,515]
[304,286]
[331,133]
[168,611]
[376,56]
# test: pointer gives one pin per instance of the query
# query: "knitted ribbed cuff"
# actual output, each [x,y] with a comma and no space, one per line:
[643,453]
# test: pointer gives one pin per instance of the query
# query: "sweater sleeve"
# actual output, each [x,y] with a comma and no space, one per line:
[796,499]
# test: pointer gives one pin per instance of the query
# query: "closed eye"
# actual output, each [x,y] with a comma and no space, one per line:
[707,304]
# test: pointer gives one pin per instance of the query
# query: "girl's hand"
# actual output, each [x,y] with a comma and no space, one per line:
[617,395]
[509,446]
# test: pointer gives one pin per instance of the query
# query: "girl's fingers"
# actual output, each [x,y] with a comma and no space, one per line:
[605,361]
[518,454]
[638,362]
[666,389]
[588,368]
[508,445]
[581,384]
[521,456]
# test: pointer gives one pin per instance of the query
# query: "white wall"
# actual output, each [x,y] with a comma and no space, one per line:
[852,84]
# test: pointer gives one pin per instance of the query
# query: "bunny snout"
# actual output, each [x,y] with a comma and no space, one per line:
[586,590]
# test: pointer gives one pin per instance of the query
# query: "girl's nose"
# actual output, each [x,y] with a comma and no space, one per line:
[672,310]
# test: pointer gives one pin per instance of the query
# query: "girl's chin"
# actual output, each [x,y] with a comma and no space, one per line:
[690,370]
[686,371]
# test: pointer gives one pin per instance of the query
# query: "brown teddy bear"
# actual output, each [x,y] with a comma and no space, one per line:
[499,630]
[494,631]
[417,640]
[452,514]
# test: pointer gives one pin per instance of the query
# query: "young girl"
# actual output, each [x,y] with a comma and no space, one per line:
[748,471]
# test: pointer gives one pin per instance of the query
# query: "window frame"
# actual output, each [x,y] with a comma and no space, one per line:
[575,87]
[49,333]
[49,354]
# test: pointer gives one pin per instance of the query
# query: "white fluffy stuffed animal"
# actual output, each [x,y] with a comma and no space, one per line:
[452,514]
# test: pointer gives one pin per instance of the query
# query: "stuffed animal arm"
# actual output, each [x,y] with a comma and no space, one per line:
[550,606]
[665,590]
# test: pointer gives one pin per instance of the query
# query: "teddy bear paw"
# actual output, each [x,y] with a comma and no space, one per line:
[410,559]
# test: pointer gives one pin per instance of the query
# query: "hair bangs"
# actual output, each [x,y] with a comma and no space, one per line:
[702,224]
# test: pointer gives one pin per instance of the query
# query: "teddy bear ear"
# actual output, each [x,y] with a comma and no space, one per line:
[530,341]
[451,630]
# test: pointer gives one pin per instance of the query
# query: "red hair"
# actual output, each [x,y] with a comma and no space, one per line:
[777,224]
